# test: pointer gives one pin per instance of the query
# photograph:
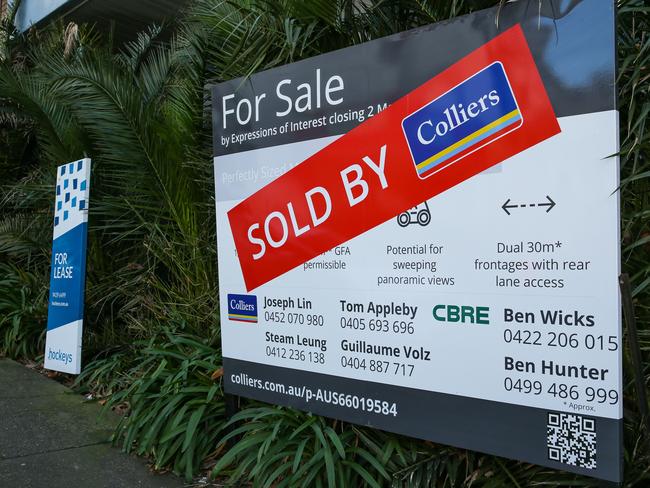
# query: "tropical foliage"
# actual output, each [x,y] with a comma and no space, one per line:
[152,341]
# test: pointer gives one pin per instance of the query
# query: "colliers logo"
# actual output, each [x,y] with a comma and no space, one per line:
[242,308]
[471,115]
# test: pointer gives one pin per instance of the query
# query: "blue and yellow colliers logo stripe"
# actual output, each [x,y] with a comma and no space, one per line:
[471,115]
[242,318]
[469,141]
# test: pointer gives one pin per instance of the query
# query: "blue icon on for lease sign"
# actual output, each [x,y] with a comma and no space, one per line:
[471,115]
[242,308]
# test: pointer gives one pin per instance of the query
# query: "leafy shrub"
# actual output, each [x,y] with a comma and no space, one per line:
[23,309]
[175,407]
[284,448]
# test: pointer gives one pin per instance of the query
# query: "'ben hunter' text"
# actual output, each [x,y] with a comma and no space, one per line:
[552,368]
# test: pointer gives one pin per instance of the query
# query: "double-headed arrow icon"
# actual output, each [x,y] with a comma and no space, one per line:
[550,204]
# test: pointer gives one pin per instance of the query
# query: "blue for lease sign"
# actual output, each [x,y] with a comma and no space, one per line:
[67,275]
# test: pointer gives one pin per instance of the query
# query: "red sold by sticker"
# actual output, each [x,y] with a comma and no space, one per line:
[485,108]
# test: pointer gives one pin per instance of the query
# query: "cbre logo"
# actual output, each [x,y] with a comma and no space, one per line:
[471,115]
[242,308]
[464,314]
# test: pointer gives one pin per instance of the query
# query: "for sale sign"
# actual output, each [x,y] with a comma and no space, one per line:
[420,233]
[466,115]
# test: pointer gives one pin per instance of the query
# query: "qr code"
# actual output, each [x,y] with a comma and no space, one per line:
[571,439]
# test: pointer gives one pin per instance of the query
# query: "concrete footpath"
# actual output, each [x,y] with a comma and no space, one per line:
[49,437]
